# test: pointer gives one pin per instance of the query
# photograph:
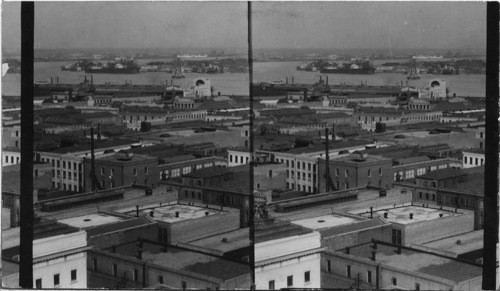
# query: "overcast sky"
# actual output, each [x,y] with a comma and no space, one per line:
[370,24]
[448,25]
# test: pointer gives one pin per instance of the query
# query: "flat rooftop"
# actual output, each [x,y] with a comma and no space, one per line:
[402,214]
[236,239]
[469,242]
[181,259]
[325,221]
[91,220]
[167,213]
[417,261]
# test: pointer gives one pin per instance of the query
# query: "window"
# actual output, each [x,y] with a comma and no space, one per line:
[380,171]
[94,264]
[289,281]
[146,170]
[160,279]
[348,271]
[396,236]
[394,281]
[135,172]
[271,285]
[417,287]
[337,172]
[307,277]
[102,171]
[112,172]
[73,275]
[426,196]
[328,266]
[433,197]
[346,173]
[115,270]
[369,173]
[369,276]
[420,195]
[135,275]
[56,280]
[270,173]
[230,158]
[38,283]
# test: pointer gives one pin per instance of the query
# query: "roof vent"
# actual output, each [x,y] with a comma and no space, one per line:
[224,239]
[124,156]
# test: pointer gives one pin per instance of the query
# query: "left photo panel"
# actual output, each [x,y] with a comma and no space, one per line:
[136,106]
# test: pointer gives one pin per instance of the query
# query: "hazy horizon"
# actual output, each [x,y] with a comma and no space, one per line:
[276,25]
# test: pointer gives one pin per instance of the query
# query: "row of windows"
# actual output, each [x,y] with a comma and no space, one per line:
[474,161]
[346,172]
[462,201]
[303,176]
[112,171]
[12,158]
[289,280]
[369,276]
[69,176]
[242,159]
[304,187]
[68,187]
[57,280]
[65,165]
[291,163]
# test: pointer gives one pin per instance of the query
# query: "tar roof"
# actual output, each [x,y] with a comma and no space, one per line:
[459,244]
[234,240]
[402,214]
[442,174]
[187,260]
[208,172]
[417,261]
[275,229]
[117,226]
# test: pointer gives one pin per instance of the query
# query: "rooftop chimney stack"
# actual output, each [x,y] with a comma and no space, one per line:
[371,211]
[177,214]
[385,214]
[411,215]
[137,211]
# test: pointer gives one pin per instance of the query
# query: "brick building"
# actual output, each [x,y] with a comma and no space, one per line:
[356,170]
[122,169]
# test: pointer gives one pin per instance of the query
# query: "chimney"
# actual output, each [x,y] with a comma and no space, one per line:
[92,159]
[177,214]
[152,213]
[206,213]
[385,214]
[218,94]
[327,161]
[137,211]
[411,215]
[440,215]
[374,255]
[371,211]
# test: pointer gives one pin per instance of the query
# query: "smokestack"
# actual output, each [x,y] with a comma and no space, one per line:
[327,161]
[177,214]
[92,159]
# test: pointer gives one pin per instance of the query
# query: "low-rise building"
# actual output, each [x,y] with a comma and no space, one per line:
[286,256]
[59,256]
[379,265]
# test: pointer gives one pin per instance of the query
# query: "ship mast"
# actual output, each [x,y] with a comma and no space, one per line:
[390,48]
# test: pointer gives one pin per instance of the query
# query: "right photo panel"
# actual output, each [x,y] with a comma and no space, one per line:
[369,144]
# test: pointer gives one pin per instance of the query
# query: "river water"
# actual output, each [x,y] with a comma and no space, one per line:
[237,83]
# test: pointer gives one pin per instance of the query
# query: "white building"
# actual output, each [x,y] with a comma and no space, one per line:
[201,88]
[288,261]
[59,257]
[435,90]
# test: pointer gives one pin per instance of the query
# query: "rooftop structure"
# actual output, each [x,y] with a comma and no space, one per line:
[402,214]
[325,221]
[92,220]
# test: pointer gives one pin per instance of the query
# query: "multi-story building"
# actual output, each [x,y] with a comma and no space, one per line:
[122,169]
[11,156]
[356,170]
[59,256]
[67,162]
[380,265]
[368,116]
[11,136]
[286,256]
